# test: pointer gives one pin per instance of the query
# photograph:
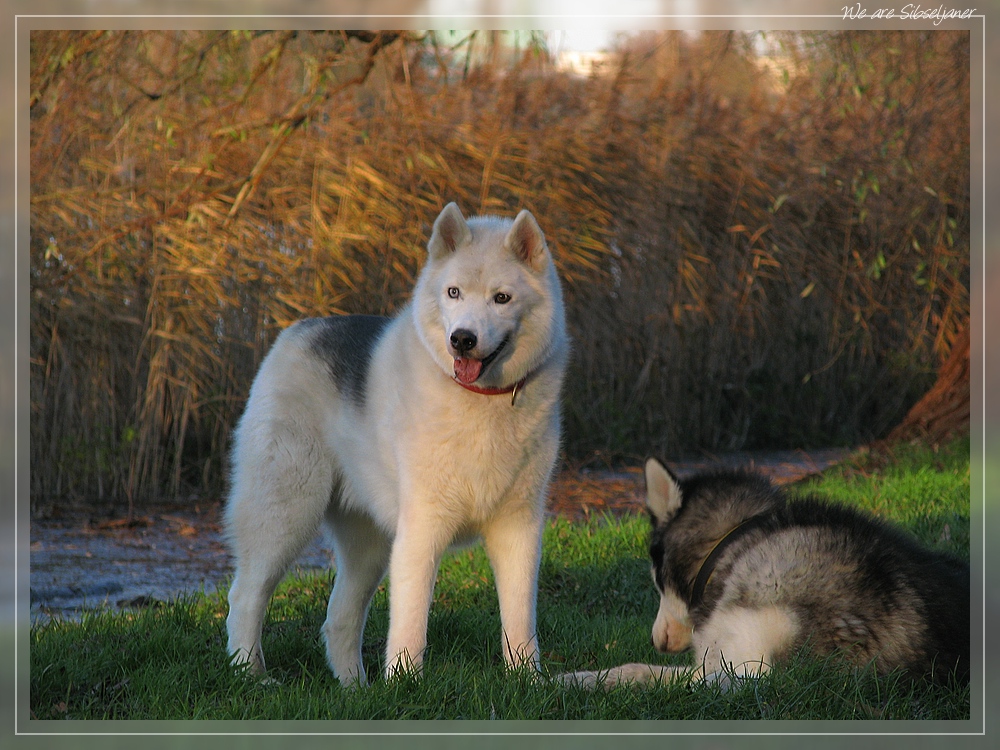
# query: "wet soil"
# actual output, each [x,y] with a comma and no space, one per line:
[79,564]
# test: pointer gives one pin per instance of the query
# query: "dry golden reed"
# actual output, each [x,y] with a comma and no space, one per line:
[751,258]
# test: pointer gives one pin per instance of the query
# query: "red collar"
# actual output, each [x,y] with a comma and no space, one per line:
[513,389]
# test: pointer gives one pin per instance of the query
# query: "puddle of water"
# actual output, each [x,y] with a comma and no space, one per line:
[76,567]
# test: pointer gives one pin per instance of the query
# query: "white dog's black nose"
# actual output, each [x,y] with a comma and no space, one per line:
[463,340]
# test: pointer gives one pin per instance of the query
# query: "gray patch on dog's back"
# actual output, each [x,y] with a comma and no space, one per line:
[345,343]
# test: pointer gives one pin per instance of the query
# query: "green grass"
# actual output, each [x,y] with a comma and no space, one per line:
[926,491]
[596,606]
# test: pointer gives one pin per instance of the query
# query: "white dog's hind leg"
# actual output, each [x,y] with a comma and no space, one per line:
[270,518]
[247,603]
[362,553]
[254,583]
[260,566]
[513,544]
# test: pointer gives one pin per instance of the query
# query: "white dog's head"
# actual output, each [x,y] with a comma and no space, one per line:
[488,304]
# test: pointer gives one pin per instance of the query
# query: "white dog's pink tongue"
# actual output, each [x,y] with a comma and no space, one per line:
[467,370]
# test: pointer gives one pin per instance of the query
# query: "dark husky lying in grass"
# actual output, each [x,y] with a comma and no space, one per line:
[748,576]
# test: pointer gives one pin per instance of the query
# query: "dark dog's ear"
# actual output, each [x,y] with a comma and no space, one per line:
[663,493]
[450,231]
[526,241]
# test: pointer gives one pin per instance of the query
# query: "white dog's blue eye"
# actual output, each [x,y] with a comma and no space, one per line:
[453,292]
[501,298]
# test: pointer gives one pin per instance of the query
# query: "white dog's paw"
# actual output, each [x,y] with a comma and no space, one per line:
[251,668]
[403,667]
[256,676]
[353,680]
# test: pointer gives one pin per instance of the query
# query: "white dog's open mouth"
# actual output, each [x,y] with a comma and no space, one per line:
[468,369]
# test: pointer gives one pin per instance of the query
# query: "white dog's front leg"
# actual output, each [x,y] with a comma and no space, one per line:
[416,555]
[514,545]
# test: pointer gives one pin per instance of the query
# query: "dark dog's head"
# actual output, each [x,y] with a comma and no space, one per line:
[690,517]
[672,628]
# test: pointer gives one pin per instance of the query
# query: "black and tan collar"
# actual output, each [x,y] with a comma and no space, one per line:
[708,567]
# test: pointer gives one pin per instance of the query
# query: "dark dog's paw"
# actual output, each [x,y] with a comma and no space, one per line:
[626,674]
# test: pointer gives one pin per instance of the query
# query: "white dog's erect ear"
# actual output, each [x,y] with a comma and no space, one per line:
[450,231]
[526,241]
[663,494]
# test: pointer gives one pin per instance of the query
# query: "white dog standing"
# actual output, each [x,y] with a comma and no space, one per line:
[405,436]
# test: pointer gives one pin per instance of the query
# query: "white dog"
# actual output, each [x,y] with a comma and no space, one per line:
[405,436]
